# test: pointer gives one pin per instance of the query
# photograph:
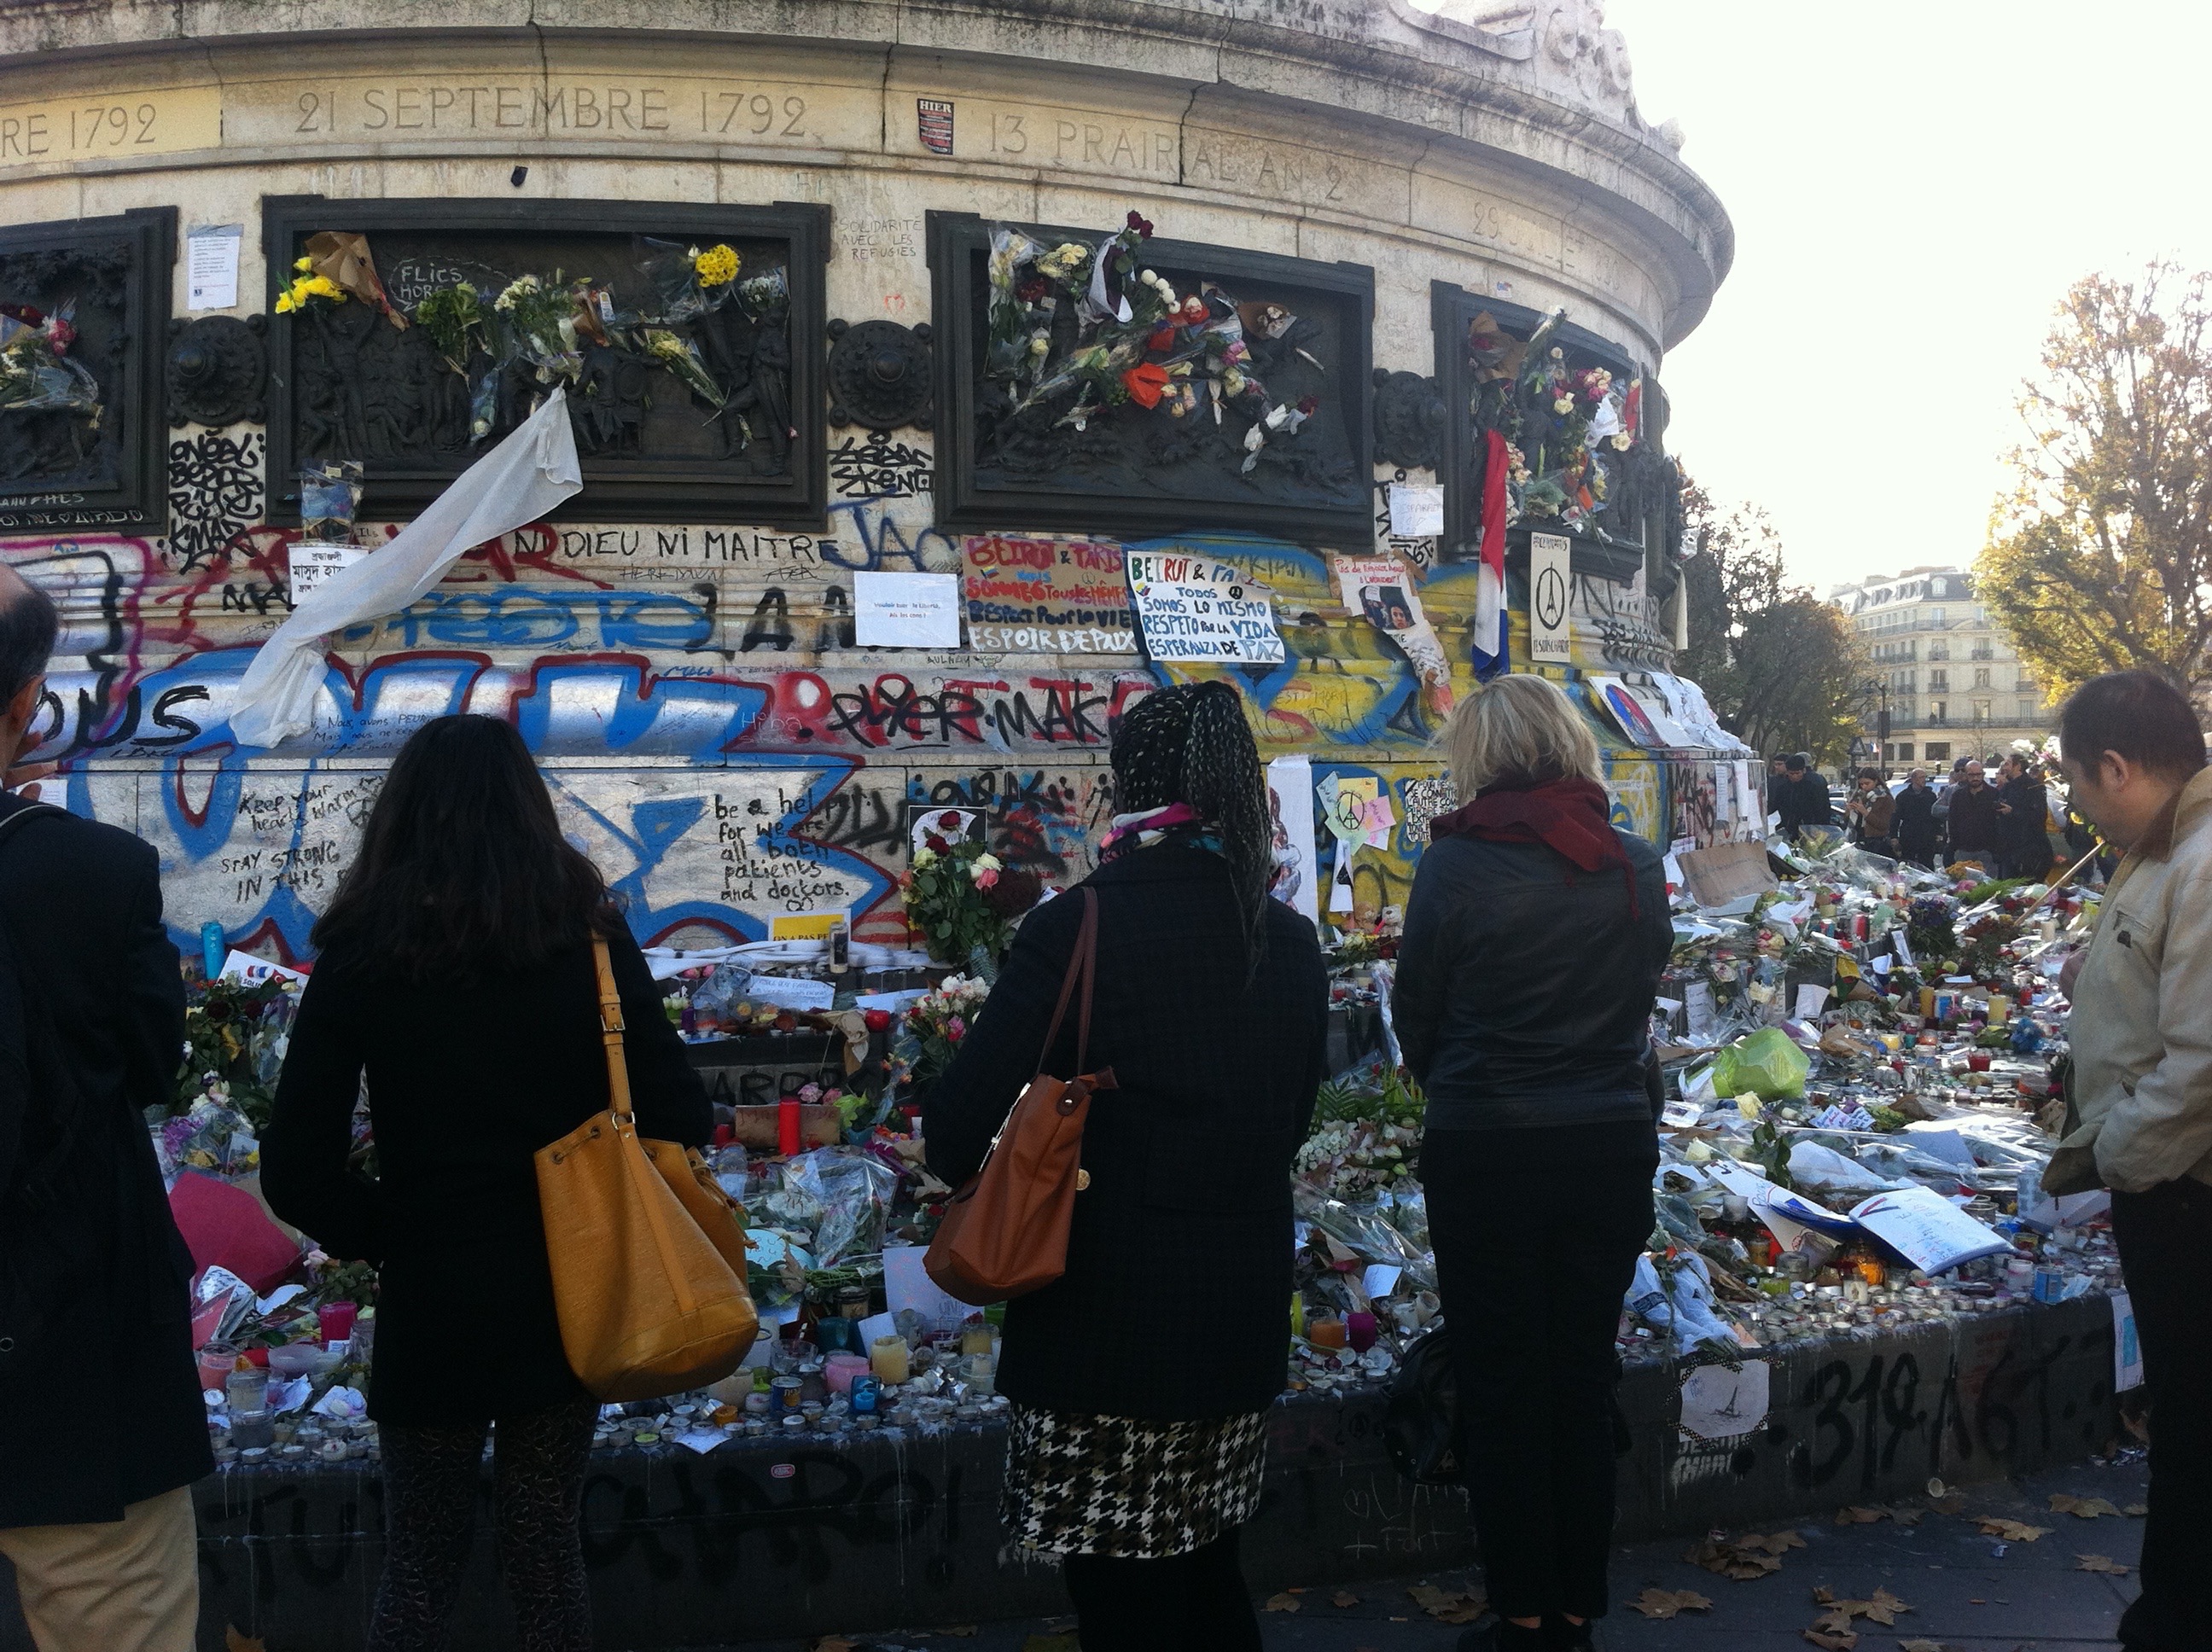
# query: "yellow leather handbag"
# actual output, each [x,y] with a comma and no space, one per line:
[648,1253]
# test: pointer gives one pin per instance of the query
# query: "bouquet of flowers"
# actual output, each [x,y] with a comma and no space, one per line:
[1349,1160]
[234,1041]
[455,322]
[308,288]
[37,371]
[540,323]
[1931,926]
[961,899]
[931,1030]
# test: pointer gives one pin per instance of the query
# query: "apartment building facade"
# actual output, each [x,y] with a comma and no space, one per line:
[1949,678]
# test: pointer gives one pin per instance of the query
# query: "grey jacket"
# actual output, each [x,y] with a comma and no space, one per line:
[2141,1094]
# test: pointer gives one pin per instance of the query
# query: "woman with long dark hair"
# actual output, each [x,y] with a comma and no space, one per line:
[1535,938]
[1135,1466]
[455,968]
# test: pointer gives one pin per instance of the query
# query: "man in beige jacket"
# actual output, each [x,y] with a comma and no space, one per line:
[2140,1098]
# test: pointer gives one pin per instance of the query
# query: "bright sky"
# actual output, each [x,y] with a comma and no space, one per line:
[1913,187]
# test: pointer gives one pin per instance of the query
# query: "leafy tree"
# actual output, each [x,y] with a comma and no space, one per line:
[2100,559]
[1782,669]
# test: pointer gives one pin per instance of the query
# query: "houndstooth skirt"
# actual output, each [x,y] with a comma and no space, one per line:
[1120,1485]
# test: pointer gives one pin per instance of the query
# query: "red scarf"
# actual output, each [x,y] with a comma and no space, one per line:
[1573,817]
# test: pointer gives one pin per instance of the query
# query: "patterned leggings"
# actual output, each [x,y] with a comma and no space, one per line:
[431,1479]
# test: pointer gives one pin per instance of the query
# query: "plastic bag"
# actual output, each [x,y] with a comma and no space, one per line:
[848,1194]
[1765,1064]
[1824,1169]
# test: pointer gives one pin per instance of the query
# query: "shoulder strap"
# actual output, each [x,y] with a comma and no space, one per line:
[610,1030]
[1082,966]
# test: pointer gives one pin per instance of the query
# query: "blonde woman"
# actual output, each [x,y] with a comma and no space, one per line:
[1535,938]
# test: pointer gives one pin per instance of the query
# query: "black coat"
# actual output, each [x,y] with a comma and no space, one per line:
[1525,986]
[1803,802]
[94,1277]
[1189,1201]
[1914,824]
[2026,835]
[1974,821]
[465,1083]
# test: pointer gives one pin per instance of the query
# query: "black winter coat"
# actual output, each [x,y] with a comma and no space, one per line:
[1802,803]
[94,1277]
[465,1083]
[1914,825]
[1525,986]
[1189,1159]
[2027,829]
[1974,821]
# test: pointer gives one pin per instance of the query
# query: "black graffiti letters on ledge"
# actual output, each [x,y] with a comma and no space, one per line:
[215,495]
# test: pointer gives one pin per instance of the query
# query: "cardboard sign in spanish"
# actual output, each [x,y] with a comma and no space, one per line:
[1047,596]
[1196,608]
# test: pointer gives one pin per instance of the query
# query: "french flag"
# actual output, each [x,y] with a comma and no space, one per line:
[1491,633]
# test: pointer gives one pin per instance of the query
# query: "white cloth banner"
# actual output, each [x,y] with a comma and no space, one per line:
[517,482]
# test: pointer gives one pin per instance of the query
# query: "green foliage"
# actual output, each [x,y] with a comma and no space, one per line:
[454,322]
[2100,559]
[1396,1100]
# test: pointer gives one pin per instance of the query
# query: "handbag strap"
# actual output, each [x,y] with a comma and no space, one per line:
[1082,967]
[610,1031]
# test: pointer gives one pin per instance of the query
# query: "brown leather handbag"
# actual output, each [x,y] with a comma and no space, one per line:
[648,1253]
[1005,1234]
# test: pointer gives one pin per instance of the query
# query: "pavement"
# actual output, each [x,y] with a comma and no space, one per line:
[1967,1590]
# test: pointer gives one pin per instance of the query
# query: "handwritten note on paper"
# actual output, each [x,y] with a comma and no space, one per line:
[1931,1232]
[906,610]
[1193,607]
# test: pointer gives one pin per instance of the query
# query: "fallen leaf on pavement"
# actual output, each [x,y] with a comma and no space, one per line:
[2136,1510]
[1857,1517]
[1909,1516]
[1837,1619]
[1951,1502]
[2100,1563]
[1740,1561]
[833,1643]
[1344,1597]
[2012,1531]
[1448,1606]
[1920,1646]
[1282,1603]
[958,1628]
[2083,1508]
[1773,1542]
[1665,1603]
[1841,1640]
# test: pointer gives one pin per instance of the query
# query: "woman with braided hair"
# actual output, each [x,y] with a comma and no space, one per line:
[1136,1467]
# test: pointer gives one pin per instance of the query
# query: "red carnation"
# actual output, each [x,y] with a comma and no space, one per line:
[1141,224]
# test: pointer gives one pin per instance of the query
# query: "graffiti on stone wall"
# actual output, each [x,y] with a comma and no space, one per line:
[710,732]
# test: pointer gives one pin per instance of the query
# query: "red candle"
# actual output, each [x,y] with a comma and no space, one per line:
[336,1319]
[786,1126]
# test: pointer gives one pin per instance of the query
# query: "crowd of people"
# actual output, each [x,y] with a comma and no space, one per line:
[2001,813]
[1535,939]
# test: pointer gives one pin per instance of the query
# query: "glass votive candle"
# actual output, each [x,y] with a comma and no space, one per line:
[888,1358]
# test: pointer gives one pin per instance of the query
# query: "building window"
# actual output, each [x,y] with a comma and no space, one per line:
[2028,714]
[1939,682]
[1938,712]
[1937,752]
[1936,617]
[1981,712]
[1905,751]
[1939,651]
[1981,677]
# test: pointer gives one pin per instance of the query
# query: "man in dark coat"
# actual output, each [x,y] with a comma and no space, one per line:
[2023,818]
[94,1275]
[1914,824]
[1975,830]
[1803,796]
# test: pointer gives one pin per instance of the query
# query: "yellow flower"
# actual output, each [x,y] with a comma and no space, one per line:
[717,266]
[303,266]
[284,305]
